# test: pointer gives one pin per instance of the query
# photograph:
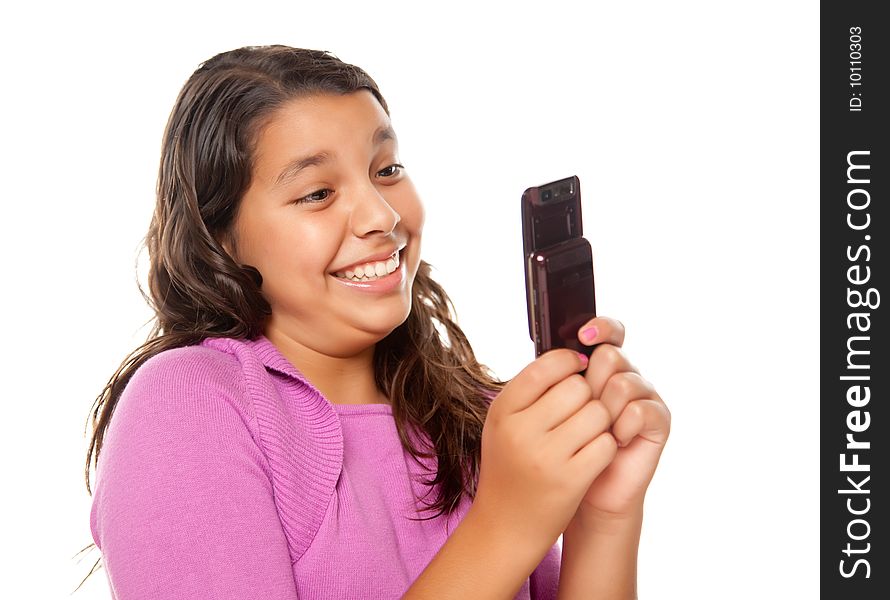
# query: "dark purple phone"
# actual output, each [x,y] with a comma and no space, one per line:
[558,266]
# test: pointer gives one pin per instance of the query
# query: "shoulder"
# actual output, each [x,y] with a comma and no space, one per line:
[181,387]
[186,410]
[191,366]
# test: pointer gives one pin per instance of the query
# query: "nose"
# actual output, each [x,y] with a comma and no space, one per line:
[372,214]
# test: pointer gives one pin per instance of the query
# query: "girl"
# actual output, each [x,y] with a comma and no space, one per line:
[307,420]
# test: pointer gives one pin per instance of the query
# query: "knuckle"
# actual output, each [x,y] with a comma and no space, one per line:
[609,355]
[614,387]
[578,385]
[625,383]
[599,413]
[636,409]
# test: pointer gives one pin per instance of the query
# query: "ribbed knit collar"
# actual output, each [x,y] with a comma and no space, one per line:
[299,432]
[272,358]
[269,354]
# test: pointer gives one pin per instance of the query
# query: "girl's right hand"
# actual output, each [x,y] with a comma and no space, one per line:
[543,443]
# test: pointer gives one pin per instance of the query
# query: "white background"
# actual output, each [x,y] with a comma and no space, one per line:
[692,125]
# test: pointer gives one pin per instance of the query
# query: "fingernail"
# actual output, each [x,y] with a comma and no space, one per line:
[583,358]
[589,335]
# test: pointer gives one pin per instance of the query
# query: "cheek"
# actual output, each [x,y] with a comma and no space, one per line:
[285,250]
[308,249]
[420,217]
[411,210]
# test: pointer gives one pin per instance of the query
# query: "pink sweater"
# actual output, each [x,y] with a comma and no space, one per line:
[226,474]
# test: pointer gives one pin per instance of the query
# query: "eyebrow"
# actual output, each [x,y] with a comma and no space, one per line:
[294,167]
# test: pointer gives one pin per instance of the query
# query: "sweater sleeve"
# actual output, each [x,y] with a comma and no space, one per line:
[184,506]
[544,580]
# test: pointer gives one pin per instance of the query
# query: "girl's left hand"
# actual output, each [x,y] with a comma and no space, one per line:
[641,424]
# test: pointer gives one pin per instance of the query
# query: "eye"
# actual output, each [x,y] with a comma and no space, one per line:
[397,169]
[314,197]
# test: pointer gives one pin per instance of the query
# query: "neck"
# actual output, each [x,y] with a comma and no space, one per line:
[342,380]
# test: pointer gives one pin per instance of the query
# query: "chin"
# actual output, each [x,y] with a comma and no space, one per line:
[388,322]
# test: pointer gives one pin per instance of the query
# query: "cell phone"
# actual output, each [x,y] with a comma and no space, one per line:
[558,266]
[551,213]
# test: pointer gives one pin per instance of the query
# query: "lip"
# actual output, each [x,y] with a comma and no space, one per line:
[381,285]
[371,258]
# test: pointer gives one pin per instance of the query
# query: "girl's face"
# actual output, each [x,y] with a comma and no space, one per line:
[328,199]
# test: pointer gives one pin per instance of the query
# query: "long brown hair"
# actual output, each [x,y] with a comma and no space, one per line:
[197,290]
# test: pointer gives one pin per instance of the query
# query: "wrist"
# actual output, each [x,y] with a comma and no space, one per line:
[482,558]
[522,547]
[599,555]
[591,520]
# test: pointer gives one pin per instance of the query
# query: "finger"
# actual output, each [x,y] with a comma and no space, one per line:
[602,330]
[605,361]
[581,428]
[624,388]
[560,402]
[592,459]
[536,378]
[647,419]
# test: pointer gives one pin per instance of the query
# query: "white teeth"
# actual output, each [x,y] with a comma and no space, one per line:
[371,271]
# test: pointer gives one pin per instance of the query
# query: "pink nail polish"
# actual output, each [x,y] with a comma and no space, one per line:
[583,358]
[589,334]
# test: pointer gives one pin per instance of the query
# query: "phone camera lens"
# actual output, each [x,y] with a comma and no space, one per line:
[546,195]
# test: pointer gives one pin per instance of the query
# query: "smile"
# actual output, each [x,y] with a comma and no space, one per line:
[372,270]
[393,281]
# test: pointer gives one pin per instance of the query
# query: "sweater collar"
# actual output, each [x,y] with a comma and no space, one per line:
[272,358]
